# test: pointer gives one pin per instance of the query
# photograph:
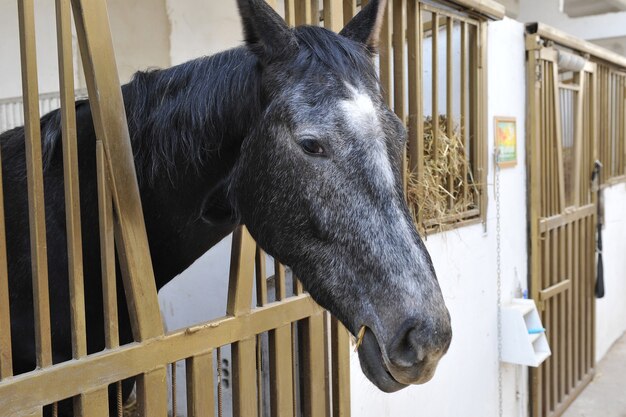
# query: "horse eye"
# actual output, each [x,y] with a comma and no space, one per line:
[312,147]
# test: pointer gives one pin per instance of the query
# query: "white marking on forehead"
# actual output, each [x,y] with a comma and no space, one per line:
[362,117]
[360,110]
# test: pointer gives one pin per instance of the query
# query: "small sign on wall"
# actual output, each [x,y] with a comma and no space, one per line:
[506,141]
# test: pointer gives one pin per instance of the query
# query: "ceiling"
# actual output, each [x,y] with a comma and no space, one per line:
[580,8]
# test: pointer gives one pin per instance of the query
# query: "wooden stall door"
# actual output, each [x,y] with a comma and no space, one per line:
[561,154]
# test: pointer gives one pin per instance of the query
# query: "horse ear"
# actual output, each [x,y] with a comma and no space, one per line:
[365,26]
[266,33]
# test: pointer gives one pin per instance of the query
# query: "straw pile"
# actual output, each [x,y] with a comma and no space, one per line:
[438,195]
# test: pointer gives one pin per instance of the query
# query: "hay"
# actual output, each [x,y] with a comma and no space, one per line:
[437,198]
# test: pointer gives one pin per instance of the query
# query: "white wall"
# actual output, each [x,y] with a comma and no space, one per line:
[611,310]
[140,39]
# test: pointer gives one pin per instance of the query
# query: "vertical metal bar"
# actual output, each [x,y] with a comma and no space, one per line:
[400,72]
[70,175]
[580,165]
[6,357]
[482,120]
[416,112]
[464,131]
[93,404]
[340,368]
[34,169]
[449,102]
[200,385]
[244,374]
[107,251]
[281,372]
[385,56]
[109,117]
[435,86]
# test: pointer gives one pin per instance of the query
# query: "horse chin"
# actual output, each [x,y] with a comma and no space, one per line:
[373,365]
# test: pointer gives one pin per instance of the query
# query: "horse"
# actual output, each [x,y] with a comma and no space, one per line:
[288,135]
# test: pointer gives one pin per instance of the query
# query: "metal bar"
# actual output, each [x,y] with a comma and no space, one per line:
[400,72]
[385,56]
[6,357]
[313,366]
[244,372]
[34,170]
[109,117]
[200,385]
[107,252]
[281,372]
[70,175]
[580,167]
[435,85]
[464,131]
[152,393]
[449,102]
[416,105]
[93,403]
[340,341]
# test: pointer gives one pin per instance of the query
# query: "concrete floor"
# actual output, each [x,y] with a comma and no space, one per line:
[605,396]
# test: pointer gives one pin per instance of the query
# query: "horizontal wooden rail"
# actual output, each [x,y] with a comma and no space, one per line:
[487,8]
[31,390]
[553,222]
[573,42]
[554,290]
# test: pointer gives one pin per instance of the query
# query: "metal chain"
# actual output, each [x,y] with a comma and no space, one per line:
[499,281]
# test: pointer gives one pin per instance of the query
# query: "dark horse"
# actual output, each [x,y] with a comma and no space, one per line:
[288,135]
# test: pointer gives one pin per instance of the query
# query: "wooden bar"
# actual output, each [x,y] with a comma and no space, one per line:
[34,170]
[152,393]
[107,251]
[580,167]
[303,12]
[562,317]
[559,138]
[313,366]
[279,281]
[386,56]
[200,385]
[554,323]
[70,179]
[570,309]
[349,10]
[554,290]
[241,273]
[290,12]
[244,375]
[261,277]
[558,220]
[281,385]
[93,403]
[6,356]
[111,127]
[333,15]
[340,369]
[29,390]
[584,294]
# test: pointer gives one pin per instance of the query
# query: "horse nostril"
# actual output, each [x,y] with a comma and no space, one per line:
[407,349]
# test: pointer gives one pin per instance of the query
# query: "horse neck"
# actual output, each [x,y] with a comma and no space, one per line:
[193,115]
